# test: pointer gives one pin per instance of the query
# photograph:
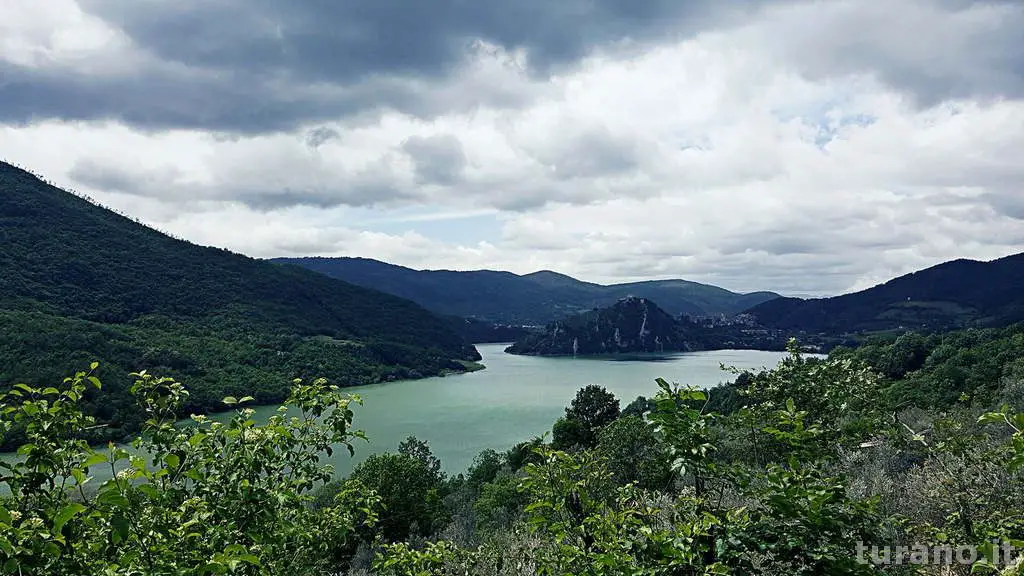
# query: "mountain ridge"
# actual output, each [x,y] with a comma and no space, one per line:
[631,325]
[955,294]
[529,299]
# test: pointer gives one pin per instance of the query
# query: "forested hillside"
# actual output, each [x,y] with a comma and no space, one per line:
[939,370]
[955,294]
[532,299]
[80,283]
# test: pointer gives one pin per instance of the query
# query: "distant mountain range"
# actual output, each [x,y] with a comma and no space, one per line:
[80,283]
[953,295]
[956,294]
[530,299]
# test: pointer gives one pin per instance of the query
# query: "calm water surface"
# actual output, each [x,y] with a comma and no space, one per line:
[516,398]
[513,399]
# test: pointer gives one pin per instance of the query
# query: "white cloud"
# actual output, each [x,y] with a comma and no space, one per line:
[763,156]
[57,33]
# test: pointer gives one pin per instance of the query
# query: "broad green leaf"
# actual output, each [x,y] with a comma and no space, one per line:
[173,460]
[121,526]
[990,418]
[97,458]
[66,514]
[113,498]
[250,559]
[213,567]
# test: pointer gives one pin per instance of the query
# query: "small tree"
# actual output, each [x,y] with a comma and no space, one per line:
[592,409]
[635,454]
[420,450]
[409,490]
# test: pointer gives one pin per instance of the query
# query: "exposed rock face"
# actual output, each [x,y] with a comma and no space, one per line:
[631,325]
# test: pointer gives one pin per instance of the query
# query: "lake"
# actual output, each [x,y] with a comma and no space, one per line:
[514,399]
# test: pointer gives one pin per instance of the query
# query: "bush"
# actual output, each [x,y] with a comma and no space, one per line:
[202,499]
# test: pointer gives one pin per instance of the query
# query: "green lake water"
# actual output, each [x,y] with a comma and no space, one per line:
[513,399]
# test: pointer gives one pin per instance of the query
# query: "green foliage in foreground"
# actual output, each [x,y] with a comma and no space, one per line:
[789,484]
[210,499]
[807,465]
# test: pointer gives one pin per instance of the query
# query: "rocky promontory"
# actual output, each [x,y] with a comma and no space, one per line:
[631,325]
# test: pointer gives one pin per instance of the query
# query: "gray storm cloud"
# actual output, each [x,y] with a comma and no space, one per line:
[803,146]
[264,65]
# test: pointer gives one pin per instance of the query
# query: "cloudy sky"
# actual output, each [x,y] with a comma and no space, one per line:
[805,147]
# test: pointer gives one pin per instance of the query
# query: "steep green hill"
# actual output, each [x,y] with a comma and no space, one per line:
[78,282]
[956,294]
[531,299]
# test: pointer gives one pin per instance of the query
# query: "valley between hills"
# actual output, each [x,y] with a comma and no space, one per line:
[511,288]
[82,283]
[921,386]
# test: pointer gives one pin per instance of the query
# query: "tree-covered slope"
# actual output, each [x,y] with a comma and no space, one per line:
[78,282]
[955,294]
[533,299]
[943,369]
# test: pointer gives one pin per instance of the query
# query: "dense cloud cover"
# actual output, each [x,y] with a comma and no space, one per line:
[805,147]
